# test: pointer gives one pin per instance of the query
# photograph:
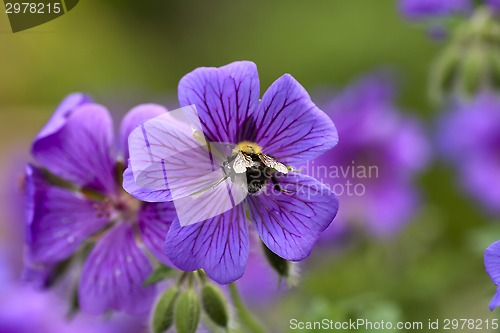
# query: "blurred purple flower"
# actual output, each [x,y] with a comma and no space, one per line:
[469,136]
[492,265]
[76,145]
[436,9]
[26,310]
[287,125]
[426,9]
[494,5]
[380,153]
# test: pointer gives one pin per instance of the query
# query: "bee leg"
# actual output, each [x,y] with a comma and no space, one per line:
[277,186]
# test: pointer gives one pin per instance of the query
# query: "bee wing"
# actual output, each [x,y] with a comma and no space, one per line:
[241,163]
[272,163]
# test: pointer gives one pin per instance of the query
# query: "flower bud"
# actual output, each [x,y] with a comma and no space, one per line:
[215,305]
[470,63]
[473,71]
[187,312]
[445,72]
[163,313]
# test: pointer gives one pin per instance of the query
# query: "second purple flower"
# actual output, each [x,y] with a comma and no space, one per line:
[75,204]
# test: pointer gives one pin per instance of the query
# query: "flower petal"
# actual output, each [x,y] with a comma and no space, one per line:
[80,150]
[41,276]
[60,116]
[478,175]
[225,97]
[494,5]
[144,193]
[289,126]
[133,119]
[58,220]
[495,301]
[492,265]
[388,207]
[154,221]
[114,273]
[219,245]
[290,222]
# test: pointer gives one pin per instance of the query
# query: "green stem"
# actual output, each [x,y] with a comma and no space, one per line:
[244,314]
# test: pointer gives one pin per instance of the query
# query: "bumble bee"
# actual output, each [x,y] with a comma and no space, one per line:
[247,157]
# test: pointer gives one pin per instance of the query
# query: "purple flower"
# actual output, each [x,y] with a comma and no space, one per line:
[469,137]
[426,9]
[289,209]
[430,9]
[494,5]
[25,310]
[381,151]
[89,208]
[492,265]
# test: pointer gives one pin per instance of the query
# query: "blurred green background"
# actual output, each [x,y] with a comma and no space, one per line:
[128,52]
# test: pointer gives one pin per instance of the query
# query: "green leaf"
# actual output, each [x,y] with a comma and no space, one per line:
[163,315]
[187,312]
[215,305]
[160,273]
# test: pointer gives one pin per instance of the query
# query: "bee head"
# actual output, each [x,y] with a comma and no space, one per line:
[248,147]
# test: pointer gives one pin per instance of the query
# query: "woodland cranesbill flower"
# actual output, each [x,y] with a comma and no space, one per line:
[74,202]
[469,137]
[289,209]
[382,150]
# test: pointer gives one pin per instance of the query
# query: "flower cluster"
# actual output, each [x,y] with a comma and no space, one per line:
[80,216]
